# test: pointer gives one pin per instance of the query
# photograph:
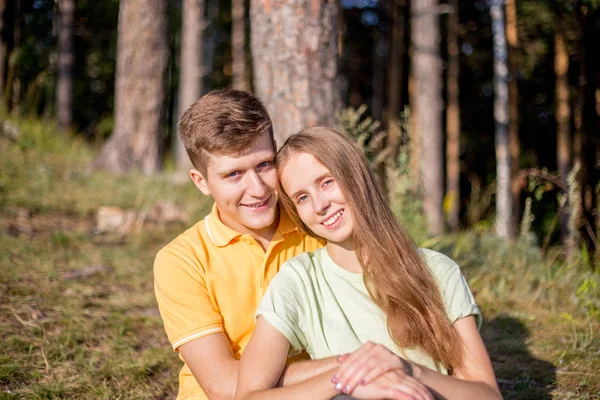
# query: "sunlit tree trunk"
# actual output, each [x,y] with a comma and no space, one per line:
[563,117]
[513,98]
[415,133]
[66,58]
[426,67]
[2,48]
[142,56]
[190,67]
[501,118]
[294,51]
[453,122]
[238,45]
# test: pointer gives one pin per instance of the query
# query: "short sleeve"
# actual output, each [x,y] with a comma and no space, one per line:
[457,296]
[185,306]
[281,307]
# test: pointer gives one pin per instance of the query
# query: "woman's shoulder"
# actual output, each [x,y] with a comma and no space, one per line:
[439,263]
[303,264]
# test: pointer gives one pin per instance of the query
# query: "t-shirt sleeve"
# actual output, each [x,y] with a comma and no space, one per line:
[185,306]
[457,296]
[281,307]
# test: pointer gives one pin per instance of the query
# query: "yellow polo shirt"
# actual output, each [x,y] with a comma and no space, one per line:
[211,279]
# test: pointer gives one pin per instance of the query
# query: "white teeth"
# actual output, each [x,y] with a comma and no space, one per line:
[257,205]
[334,218]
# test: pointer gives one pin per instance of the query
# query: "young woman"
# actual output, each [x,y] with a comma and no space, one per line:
[370,284]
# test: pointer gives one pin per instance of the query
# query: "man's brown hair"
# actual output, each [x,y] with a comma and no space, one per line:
[224,121]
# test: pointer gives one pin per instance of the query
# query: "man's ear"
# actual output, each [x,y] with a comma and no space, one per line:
[200,181]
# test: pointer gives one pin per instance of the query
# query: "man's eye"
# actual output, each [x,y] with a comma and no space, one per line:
[265,164]
[233,174]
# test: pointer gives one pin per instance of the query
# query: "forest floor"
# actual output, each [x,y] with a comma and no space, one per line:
[78,318]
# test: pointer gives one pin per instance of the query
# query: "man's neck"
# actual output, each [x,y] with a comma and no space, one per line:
[262,236]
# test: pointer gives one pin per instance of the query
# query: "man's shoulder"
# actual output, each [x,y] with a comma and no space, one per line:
[189,246]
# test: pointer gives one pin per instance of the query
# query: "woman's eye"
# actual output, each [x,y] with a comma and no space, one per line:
[328,182]
[301,199]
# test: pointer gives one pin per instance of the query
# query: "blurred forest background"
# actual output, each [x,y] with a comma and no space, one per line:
[481,119]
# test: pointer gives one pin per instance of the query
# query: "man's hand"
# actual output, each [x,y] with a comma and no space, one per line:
[366,364]
[395,385]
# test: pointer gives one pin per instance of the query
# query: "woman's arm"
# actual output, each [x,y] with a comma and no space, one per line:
[262,363]
[474,380]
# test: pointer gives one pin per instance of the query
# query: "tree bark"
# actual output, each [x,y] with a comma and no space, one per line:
[238,45]
[501,118]
[66,58]
[190,68]
[453,122]
[142,56]
[513,98]
[294,51]
[563,119]
[426,67]
[3,47]
[395,78]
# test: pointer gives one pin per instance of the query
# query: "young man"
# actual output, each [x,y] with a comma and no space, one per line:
[210,279]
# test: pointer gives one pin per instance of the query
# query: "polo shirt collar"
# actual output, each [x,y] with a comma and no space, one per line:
[221,235]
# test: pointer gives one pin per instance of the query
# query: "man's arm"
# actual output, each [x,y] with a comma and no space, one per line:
[212,364]
[300,371]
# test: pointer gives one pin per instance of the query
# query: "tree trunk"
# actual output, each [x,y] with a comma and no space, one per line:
[238,45]
[563,119]
[395,77]
[513,98]
[453,122]
[501,118]
[15,82]
[142,56]
[3,47]
[190,68]
[415,132]
[66,58]
[294,50]
[426,67]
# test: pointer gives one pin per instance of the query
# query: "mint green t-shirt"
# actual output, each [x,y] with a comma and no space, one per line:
[325,310]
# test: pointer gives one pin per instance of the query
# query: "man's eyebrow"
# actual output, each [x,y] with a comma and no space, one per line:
[317,179]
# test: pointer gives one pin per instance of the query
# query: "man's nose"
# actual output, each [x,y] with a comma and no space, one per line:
[255,186]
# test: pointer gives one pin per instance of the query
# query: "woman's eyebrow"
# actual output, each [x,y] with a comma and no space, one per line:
[316,180]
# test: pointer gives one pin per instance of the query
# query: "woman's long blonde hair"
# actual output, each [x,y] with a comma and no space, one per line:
[394,272]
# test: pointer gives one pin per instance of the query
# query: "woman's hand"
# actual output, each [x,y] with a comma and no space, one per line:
[366,364]
[394,385]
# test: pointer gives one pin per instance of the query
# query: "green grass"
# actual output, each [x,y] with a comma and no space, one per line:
[101,336]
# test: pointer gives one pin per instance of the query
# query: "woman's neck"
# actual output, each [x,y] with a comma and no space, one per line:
[344,256]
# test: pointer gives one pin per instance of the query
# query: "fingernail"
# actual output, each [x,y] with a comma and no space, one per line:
[334,379]
[362,382]
[338,386]
[346,389]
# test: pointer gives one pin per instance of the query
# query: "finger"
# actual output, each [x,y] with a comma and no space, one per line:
[355,367]
[392,362]
[414,388]
[341,358]
[351,360]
